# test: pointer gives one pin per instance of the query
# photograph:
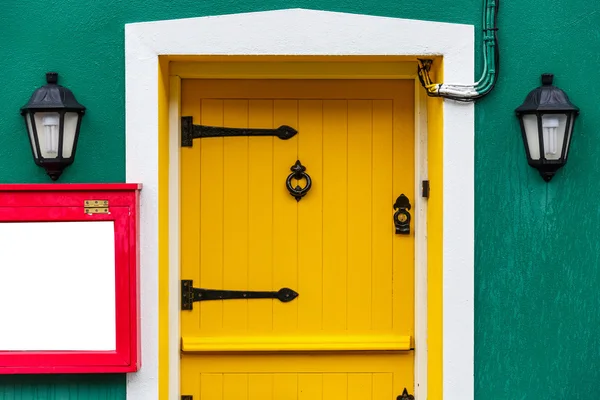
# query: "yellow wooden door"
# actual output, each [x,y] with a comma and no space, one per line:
[349,333]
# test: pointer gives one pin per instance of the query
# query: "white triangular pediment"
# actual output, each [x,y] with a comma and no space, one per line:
[303,32]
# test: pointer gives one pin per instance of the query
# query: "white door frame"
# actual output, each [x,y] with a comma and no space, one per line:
[300,32]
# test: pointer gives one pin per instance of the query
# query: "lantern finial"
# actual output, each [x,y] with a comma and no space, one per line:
[52,77]
[547,79]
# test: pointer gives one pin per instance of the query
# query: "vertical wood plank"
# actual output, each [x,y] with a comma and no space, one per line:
[335,209]
[359,214]
[211,222]
[404,182]
[285,387]
[382,212]
[260,387]
[235,387]
[310,387]
[383,387]
[235,215]
[211,387]
[260,215]
[191,379]
[285,217]
[190,205]
[310,217]
[360,387]
[335,387]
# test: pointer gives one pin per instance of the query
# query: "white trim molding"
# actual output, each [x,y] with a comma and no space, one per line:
[299,32]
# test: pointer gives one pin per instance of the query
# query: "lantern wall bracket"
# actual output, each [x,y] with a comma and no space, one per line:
[189,132]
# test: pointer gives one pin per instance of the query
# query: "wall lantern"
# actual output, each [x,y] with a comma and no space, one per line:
[53,117]
[547,118]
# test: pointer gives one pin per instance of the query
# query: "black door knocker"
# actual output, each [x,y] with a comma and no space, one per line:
[402,216]
[298,172]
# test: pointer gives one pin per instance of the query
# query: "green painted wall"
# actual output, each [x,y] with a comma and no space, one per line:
[537,245]
[63,387]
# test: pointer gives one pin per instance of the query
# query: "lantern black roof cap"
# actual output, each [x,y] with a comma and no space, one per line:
[547,98]
[52,96]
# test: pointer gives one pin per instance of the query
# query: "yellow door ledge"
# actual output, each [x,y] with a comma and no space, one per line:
[300,343]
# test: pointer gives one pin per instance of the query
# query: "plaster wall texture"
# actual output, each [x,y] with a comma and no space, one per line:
[537,325]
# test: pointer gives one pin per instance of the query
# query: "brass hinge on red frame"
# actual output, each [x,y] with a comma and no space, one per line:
[96,207]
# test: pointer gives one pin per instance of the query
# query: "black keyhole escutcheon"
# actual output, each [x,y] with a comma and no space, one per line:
[402,216]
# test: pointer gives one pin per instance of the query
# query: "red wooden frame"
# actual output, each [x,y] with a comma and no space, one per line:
[64,202]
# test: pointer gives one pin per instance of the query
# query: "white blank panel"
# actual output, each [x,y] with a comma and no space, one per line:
[57,286]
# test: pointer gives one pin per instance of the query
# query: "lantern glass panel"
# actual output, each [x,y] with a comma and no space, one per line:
[530,125]
[71,119]
[31,136]
[568,135]
[553,133]
[48,128]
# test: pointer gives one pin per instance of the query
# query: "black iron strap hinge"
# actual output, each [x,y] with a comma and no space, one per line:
[189,132]
[187,397]
[190,294]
